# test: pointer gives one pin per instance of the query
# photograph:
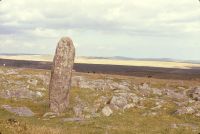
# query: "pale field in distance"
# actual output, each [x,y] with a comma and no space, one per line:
[86,60]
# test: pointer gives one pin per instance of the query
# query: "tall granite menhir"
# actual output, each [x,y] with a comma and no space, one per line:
[61,73]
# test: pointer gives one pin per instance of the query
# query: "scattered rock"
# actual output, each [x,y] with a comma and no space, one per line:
[72,119]
[12,121]
[39,94]
[118,102]
[174,126]
[150,113]
[175,95]
[181,88]
[11,72]
[144,89]
[20,111]
[106,111]
[195,93]
[187,125]
[76,81]
[99,84]
[20,93]
[102,100]
[50,115]
[78,111]
[144,86]
[41,89]
[156,91]
[33,82]
[197,114]
[128,106]
[1,72]
[185,110]
[45,78]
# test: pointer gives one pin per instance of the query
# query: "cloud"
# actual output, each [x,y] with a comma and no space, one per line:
[99,24]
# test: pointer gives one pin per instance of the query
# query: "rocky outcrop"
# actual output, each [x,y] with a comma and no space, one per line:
[109,95]
[99,84]
[193,108]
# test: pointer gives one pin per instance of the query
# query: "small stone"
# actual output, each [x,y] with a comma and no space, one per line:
[195,93]
[174,126]
[45,119]
[128,106]
[32,82]
[50,114]
[197,114]
[42,89]
[186,125]
[78,110]
[156,91]
[39,94]
[118,102]
[87,116]
[144,86]
[72,119]
[19,93]
[53,116]
[185,110]
[149,113]
[12,121]
[20,111]
[107,111]
[11,72]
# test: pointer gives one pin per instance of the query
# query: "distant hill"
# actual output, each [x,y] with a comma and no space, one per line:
[109,58]
[143,59]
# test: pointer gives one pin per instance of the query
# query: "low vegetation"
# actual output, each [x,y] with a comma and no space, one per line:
[143,118]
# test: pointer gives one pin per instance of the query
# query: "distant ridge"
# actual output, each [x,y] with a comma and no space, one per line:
[17,54]
[116,58]
[143,59]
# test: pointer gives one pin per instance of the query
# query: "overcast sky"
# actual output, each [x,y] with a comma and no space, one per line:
[131,28]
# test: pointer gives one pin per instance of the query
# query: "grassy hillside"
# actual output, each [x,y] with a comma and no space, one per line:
[137,120]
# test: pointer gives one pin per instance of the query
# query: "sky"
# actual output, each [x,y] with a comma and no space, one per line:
[105,28]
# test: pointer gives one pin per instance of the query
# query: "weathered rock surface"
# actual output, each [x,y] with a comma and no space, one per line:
[20,111]
[60,82]
[50,115]
[195,93]
[187,125]
[106,111]
[185,110]
[108,95]
[175,95]
[11,72]
[124,100]
[99,84]
[118,102]
[32,82]
[20,93]
[72,119]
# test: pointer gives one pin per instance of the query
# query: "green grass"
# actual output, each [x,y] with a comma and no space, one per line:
[129,121]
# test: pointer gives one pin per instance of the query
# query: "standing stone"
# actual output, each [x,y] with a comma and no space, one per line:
[61,73]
